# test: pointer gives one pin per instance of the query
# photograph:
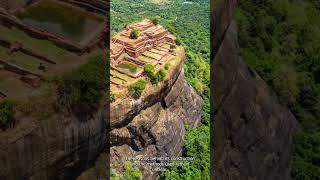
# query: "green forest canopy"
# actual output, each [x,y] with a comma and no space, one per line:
[281,41]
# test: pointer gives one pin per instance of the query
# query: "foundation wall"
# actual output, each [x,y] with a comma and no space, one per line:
[10,20]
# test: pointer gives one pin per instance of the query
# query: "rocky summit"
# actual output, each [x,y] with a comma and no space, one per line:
[152,125]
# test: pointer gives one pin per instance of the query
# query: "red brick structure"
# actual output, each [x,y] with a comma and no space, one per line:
[154,45]
[150,35]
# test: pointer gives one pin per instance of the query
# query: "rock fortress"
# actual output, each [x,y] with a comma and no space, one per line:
[154,45]
[152,124]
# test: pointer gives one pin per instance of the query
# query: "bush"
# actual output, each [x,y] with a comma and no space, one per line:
[137,88]
[154,77]
[155,21]
[134,34]
[130,172]
[161,74]
[166,66]
[6,112]
[148,69]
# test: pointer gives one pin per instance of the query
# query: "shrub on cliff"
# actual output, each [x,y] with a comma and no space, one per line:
[154,77]
[6,112]
[148,69]
[83,88]
[137,88]
[134,34]
[161,74]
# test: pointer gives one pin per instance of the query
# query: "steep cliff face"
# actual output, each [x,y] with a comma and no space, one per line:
[252,130]
[221,15]
[157,130]
[56,148]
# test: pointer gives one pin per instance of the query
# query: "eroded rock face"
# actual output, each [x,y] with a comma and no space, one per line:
[159,129]
[221,14]
[252,131]
[56,148]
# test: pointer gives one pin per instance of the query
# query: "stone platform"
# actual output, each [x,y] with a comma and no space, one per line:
[154,45]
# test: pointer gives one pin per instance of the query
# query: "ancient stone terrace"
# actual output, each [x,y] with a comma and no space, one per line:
[150,35]
[154,45]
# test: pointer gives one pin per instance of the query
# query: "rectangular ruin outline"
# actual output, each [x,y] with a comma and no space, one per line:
[10,19]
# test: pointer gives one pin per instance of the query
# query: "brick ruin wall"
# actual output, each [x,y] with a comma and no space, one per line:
[9,19]
[141,46]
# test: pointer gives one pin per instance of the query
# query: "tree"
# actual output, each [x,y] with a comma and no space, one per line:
[134,34]
[155,21]
[130,172]
[148,69]
[166,66]
[137,88]
[196,145]
[285,84]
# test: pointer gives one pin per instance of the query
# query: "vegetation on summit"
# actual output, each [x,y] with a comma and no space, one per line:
[134,34]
